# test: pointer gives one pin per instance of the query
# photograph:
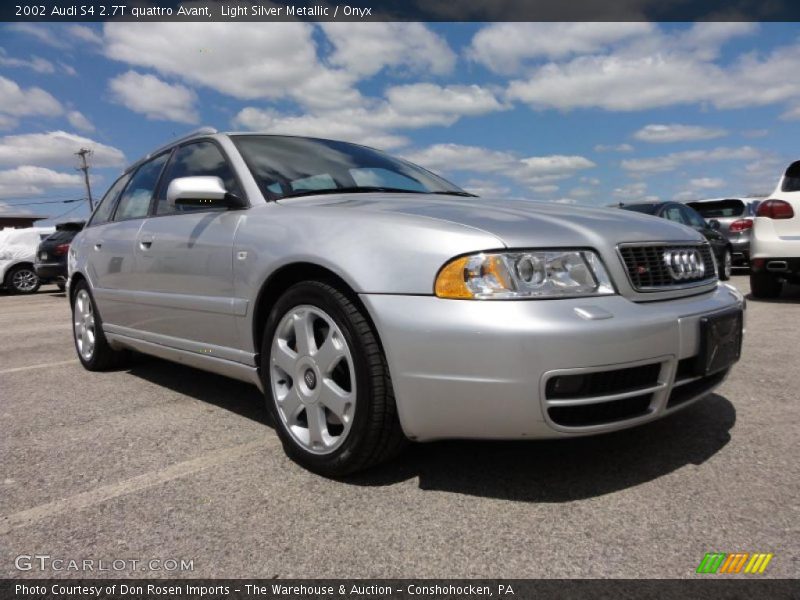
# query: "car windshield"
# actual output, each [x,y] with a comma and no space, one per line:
[719,208]
[287,166]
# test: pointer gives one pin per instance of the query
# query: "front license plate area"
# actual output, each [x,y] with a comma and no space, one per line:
[720,342]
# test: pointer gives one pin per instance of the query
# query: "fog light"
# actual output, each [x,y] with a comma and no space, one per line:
[566,386]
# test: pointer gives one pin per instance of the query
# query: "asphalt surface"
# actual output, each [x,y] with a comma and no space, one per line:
[160,461]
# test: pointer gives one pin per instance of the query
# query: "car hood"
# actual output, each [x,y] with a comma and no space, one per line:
[518,223]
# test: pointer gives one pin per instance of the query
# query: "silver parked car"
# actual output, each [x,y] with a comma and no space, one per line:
[374,302]
[733,218]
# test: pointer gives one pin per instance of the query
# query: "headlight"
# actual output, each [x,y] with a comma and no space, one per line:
[534,274]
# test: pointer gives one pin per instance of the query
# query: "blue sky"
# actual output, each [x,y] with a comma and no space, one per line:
[588,113]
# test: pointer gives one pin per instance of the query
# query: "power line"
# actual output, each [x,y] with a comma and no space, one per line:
[64,214]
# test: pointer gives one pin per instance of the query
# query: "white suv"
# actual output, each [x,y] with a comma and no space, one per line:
[775,246]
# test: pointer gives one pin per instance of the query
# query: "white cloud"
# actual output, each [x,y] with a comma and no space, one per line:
[79,121]
[375,122]
[84,33]
[755,133]
[503,47]
[245,60]
[156,99]
[55,149]
[366,48]
[486,188]
[41,33]
[677,133]
[545,189]
[706,183]
[670,162]
[20,102]
[7,122]
[29,180]
[35,63]
[613,148]
[530,171]
[634,192]
[664,70]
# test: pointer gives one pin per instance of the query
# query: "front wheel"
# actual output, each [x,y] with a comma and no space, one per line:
[22,279]
[327,383]
[726,266]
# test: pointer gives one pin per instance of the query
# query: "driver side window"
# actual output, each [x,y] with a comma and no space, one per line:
[192,160]
[673,213]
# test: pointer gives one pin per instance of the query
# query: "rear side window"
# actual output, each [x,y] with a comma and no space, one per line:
[135,200]
[791,180]
[103,211]
[720,208]
[192,160]
[62,236]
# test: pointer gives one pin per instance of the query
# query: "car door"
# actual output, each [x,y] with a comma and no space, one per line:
[184,260]
[110,246]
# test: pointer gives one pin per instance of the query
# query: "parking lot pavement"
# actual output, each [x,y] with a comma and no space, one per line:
[163,462]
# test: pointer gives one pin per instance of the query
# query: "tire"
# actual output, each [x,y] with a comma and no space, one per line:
[22,279]
[91,345]
[354,427]
[765,285]
[726,265]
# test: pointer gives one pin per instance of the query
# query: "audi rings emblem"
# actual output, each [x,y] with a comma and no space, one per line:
[684,264]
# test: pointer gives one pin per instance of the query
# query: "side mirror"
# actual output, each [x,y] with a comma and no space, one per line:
[714,224]
[201,191]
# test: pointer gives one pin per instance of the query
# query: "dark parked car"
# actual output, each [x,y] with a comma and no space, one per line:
[686,215]
[733,217]
[51,255]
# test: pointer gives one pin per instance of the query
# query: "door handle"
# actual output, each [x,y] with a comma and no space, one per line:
[98,245]
[145,242]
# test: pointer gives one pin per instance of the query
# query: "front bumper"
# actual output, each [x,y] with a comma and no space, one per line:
[480,369]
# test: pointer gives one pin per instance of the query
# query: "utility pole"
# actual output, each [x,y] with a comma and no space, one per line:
[84,166]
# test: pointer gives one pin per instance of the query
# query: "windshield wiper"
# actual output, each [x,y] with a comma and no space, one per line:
[361,189]
[457,193]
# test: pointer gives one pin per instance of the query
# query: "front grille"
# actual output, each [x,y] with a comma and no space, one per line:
[647,270]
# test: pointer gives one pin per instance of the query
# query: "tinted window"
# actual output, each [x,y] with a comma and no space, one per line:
[691,217]
[791,179]
[62,236]
[285,166]
[673,213]
[103,211]
[719,208]
[648,209]
[135,200]
[198,159]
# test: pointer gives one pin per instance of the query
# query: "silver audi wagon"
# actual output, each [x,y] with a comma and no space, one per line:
[373,302]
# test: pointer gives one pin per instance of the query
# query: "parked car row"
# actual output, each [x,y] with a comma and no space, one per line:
[35,256]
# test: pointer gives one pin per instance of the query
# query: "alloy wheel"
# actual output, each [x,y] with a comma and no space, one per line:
[24,280]
[313,379]
[84,325]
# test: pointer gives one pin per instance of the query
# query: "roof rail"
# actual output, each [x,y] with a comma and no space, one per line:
[173,142]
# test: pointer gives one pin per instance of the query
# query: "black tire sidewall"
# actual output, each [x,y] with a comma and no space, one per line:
[10,280]
[765,285]
[100,343]
[314,294]
[722,274]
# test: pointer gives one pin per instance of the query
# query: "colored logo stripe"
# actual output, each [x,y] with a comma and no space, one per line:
[722,562]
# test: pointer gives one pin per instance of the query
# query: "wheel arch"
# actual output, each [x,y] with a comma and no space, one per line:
[75,278]
[284,278]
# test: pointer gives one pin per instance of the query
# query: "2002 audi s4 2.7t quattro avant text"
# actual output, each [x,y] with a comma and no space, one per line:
[374,302]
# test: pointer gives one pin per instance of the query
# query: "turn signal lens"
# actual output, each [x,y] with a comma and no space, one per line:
[536,274]
[775,209]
